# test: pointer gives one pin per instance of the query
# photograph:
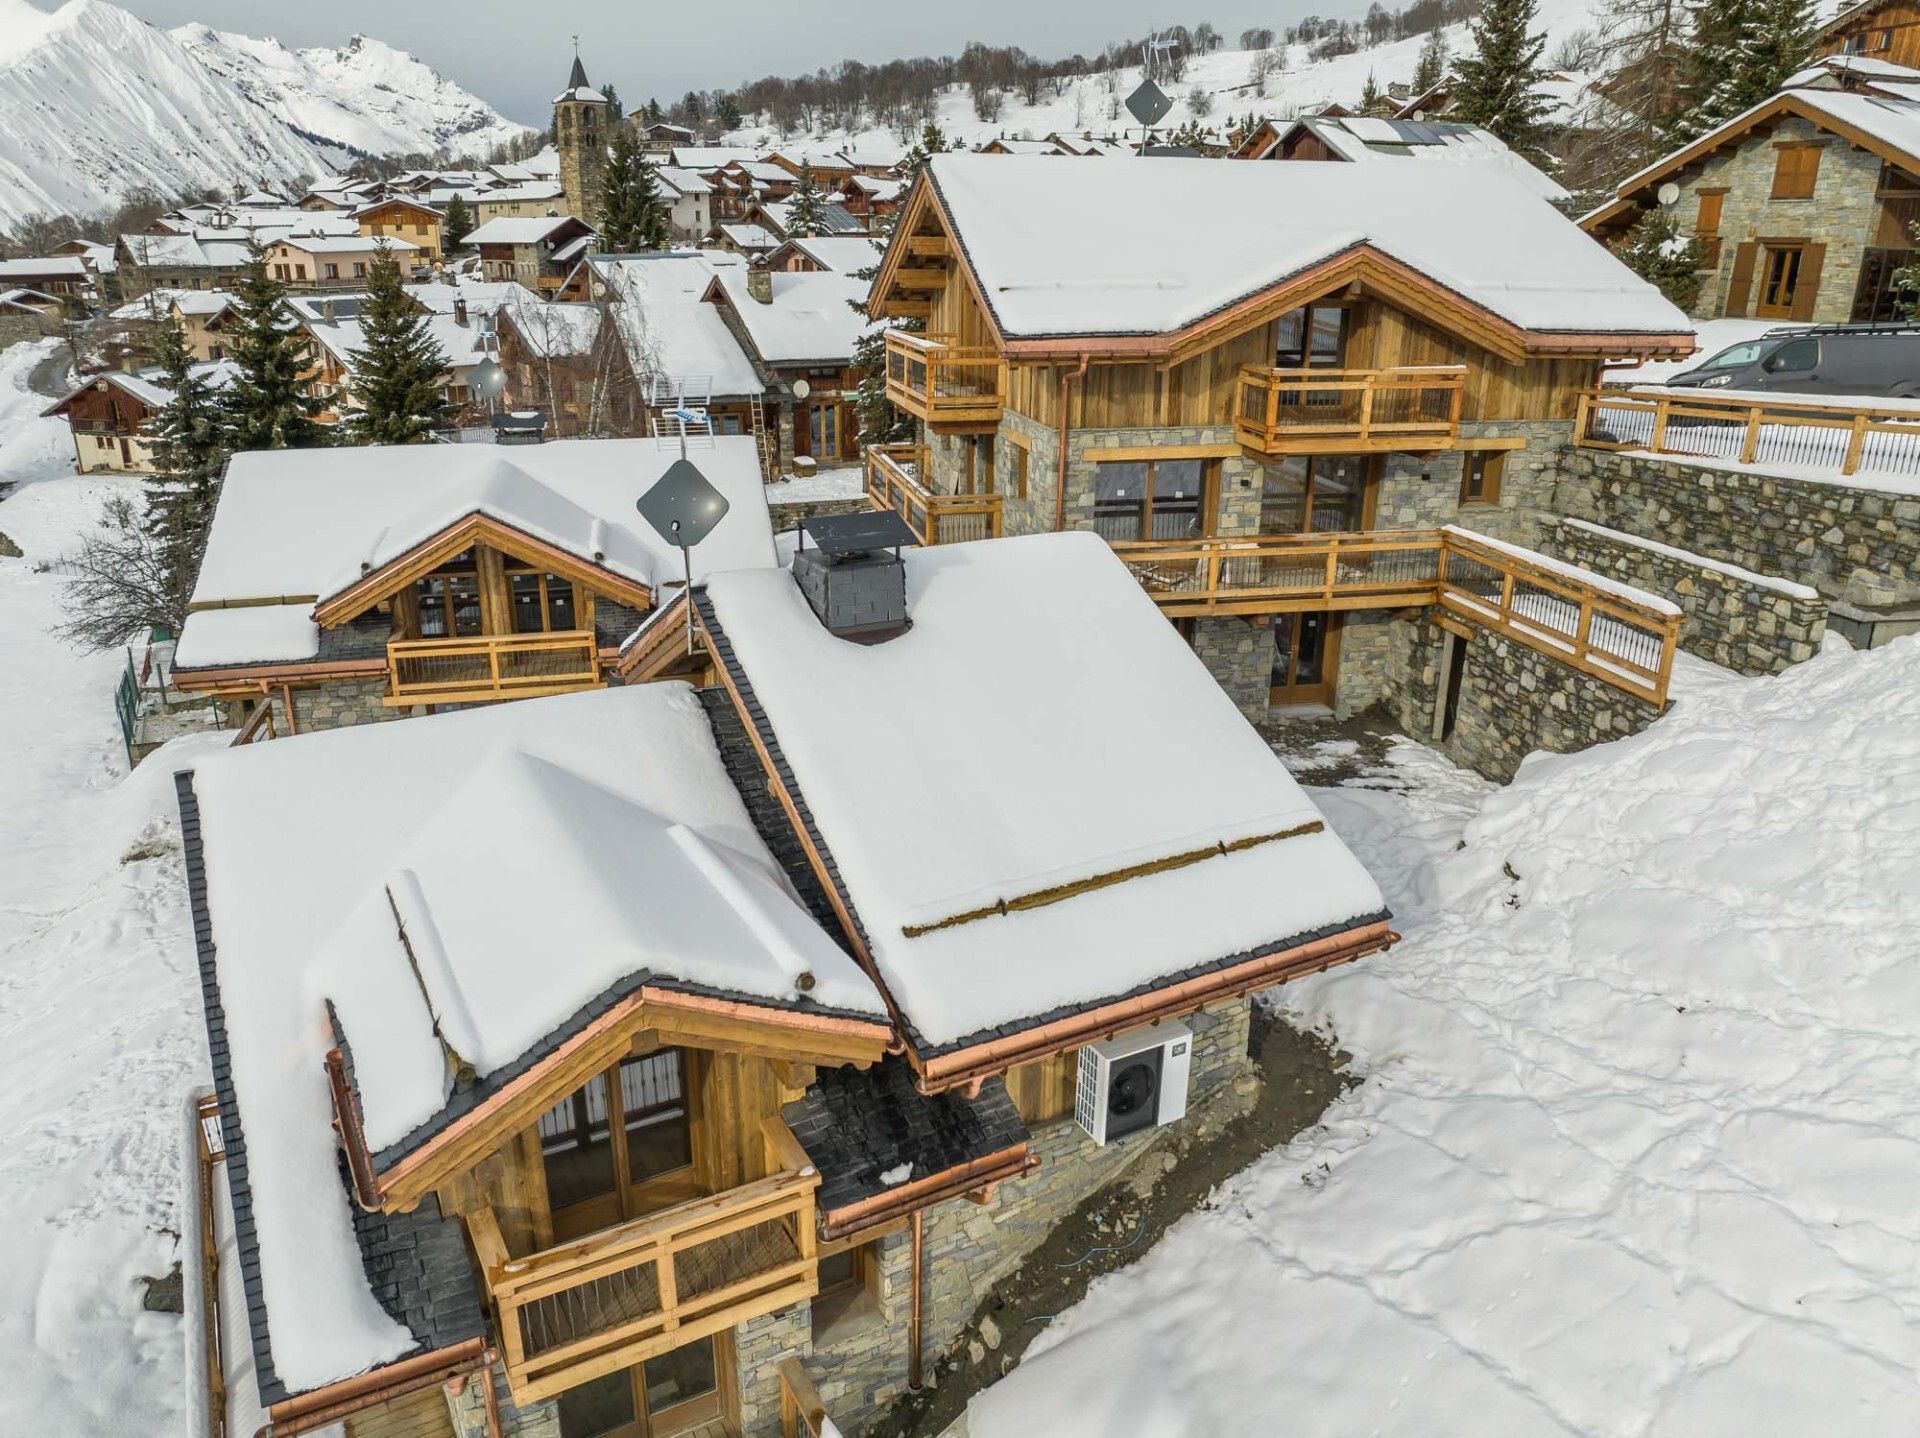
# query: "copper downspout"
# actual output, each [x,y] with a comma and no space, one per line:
[493,1399]
[913,1308]
[346,1122]
[1067,377]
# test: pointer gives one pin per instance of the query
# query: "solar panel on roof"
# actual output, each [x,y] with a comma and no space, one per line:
[835,534]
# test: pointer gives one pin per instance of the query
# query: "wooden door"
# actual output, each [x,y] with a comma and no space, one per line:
[1306,659]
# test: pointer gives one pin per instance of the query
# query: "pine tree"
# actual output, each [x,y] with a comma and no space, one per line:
[1370,96]
[1739,52]
[1498,86]
[1431,68]
[612,97]
[267,406]
[728,113]
[456,224]
[1642,44]
[651,113]
[633,215]
[806,214]
[189,446]
[399,375]
[1665,256]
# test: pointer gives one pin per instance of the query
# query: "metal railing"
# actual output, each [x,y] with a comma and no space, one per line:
[1625,643]
[617,1297]
[1799,432]
[894,482]
[490,666]
[1279,411]
[943,383]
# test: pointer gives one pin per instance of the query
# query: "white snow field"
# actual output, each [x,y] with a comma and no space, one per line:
[1637,1150]
[100,1036]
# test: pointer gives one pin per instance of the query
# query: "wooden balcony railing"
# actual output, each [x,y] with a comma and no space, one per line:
[802,1414]
[490,666]
[258,728]
[1288,411]
[1582,621]
[570,1314]
[1880,437]
[930,377]
[893,482]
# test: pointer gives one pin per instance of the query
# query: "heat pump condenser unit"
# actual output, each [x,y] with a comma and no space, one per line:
[1134,1081]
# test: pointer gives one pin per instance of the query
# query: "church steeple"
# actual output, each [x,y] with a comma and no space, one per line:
[582,119]
[578,79]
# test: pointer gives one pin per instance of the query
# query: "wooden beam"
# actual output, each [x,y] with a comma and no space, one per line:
[928,247]
[920,278]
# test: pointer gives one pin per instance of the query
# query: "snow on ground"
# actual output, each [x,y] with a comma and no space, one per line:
[100,1038]
[31,448]
[1637,1148]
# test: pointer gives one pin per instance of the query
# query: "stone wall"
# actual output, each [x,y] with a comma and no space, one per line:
[1734,618]
[788,513]
[334,706]
[468,1410]
[1856,545]
[1239,655]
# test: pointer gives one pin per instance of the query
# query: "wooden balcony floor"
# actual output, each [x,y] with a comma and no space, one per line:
[620,1298]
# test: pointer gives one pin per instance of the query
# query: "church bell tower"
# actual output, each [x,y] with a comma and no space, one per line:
[582,129]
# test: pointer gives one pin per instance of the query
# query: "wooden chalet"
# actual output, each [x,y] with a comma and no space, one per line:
[537,252]
[66,277]
[1804,205]
[111,414]
[1279,419]
[658,1119]
[345,586]
[410,221]
[1886,30]
[1352,139]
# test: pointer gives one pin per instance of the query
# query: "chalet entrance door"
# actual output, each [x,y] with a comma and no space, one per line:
[678,1393]
[1306,658]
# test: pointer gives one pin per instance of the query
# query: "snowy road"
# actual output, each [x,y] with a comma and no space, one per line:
[1638,1149]
[99,1030]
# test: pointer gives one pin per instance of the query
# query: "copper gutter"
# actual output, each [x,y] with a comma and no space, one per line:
[964,1065]
[493,1399]
[277,673]
[1066,429]
[913,1303]
[325,1406]
[896,1203]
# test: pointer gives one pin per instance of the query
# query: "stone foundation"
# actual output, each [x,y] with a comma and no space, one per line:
[1240,656]
[334,706]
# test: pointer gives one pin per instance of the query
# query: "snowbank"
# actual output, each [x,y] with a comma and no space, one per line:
[1638,1145]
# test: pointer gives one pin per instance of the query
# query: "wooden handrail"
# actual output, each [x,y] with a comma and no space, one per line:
[1738,427]
[491,666]
[934,518]
[920,370]
[260,720]
[1351,404]
[802,1413]
[539,1299]
[1607,635]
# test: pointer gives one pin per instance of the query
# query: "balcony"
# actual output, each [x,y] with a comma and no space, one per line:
[1533,599]
[486,667]
[1310,411]
[570,1314]
[945,385]
[893,482]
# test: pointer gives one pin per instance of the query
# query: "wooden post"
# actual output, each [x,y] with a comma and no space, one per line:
[1856,443]
[1583,418]
[1750,443]
[1661,414]
[1366,407]
[1273,409]
[1583,630]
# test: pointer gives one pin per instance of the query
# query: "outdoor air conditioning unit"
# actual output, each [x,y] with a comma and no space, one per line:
[1135,1081]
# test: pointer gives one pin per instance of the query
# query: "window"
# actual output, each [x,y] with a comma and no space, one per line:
[1311,335]
[849,1289]
[359,270]
[1021,457]
[1744,354]
[1795,169]
[1779,280]
[449,599]
[1150,499]
[599,1174]
[542,603]
[1706,227]
[1315,494]
[1793,357]
[1480,476]
[664,1394]
[333,272]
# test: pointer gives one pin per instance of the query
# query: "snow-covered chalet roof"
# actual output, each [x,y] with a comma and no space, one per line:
[47,267]
[810,318]
[1064,250]
[634,862]
[1365,138]
[843,254]
[1074,736]
[517,229]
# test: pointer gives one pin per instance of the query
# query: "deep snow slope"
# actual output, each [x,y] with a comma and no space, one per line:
[1638,1143]
[95,104]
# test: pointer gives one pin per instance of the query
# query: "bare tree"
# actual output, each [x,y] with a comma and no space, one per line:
[122,582]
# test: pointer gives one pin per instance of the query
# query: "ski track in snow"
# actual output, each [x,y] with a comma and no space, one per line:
[1636,1150]
[100,1038]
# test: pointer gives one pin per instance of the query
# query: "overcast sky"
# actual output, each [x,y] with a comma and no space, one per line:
[501,52]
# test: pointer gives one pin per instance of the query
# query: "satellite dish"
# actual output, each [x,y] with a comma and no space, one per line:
[1668,195]
[683,506]
[487,379]
[1149,104]
[801,389]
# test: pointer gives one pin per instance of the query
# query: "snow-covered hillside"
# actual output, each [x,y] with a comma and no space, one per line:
[1098,102]
[1637,1144]
[95,104]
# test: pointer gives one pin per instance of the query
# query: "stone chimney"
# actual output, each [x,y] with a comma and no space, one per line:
[760,284]
[326,311]
[460,311]
[852,575]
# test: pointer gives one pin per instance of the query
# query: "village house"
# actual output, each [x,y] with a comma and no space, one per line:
[111,414]
[1303,425]
[1886,30]
[180,261]
[347,586]
[530,199]
[1804,205]
[869,198]
[1364,139]
[320,262]
[689,201]
[748,241]
[333,329]
[537,253]
[64,276]
[28,315]
[201,315]
[791,1089]
[834,254]
[657,137]
[409,221]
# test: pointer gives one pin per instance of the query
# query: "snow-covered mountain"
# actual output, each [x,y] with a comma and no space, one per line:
[96,104]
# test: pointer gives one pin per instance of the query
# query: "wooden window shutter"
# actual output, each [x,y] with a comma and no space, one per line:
[1806,285]
[1741,285]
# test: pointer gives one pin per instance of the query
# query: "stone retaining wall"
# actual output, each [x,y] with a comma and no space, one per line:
[1731,619]
[334,706]
[788,513]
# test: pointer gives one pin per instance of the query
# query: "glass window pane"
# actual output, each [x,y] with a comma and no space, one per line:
[1339,485]
[602,1406]
[559,603]
[1283,496]
[1283,627]
[676,1377]
[465,592]
[431,594]
[1290,348]
[653,1099]
[838,1270]
[1312,652]
[1328,331]
[1178,485]
[577,1146]
[1119,500]
[526,603]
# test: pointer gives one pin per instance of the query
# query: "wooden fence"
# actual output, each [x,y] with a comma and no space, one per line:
[1791,432]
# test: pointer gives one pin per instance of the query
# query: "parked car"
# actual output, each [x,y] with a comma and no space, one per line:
[1817,359]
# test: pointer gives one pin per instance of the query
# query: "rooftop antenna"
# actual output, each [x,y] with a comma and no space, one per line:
[683,507]
[1149,104]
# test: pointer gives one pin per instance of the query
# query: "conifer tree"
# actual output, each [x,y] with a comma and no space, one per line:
[633,215]
[1498,86]
[1370,96]
[456,224]
[1665,256]
[399,375]
[189,446]
[727,111]
[268,406]
[1431,68]
[1739,52]
[612,97]
[1643,44]
[807,211]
